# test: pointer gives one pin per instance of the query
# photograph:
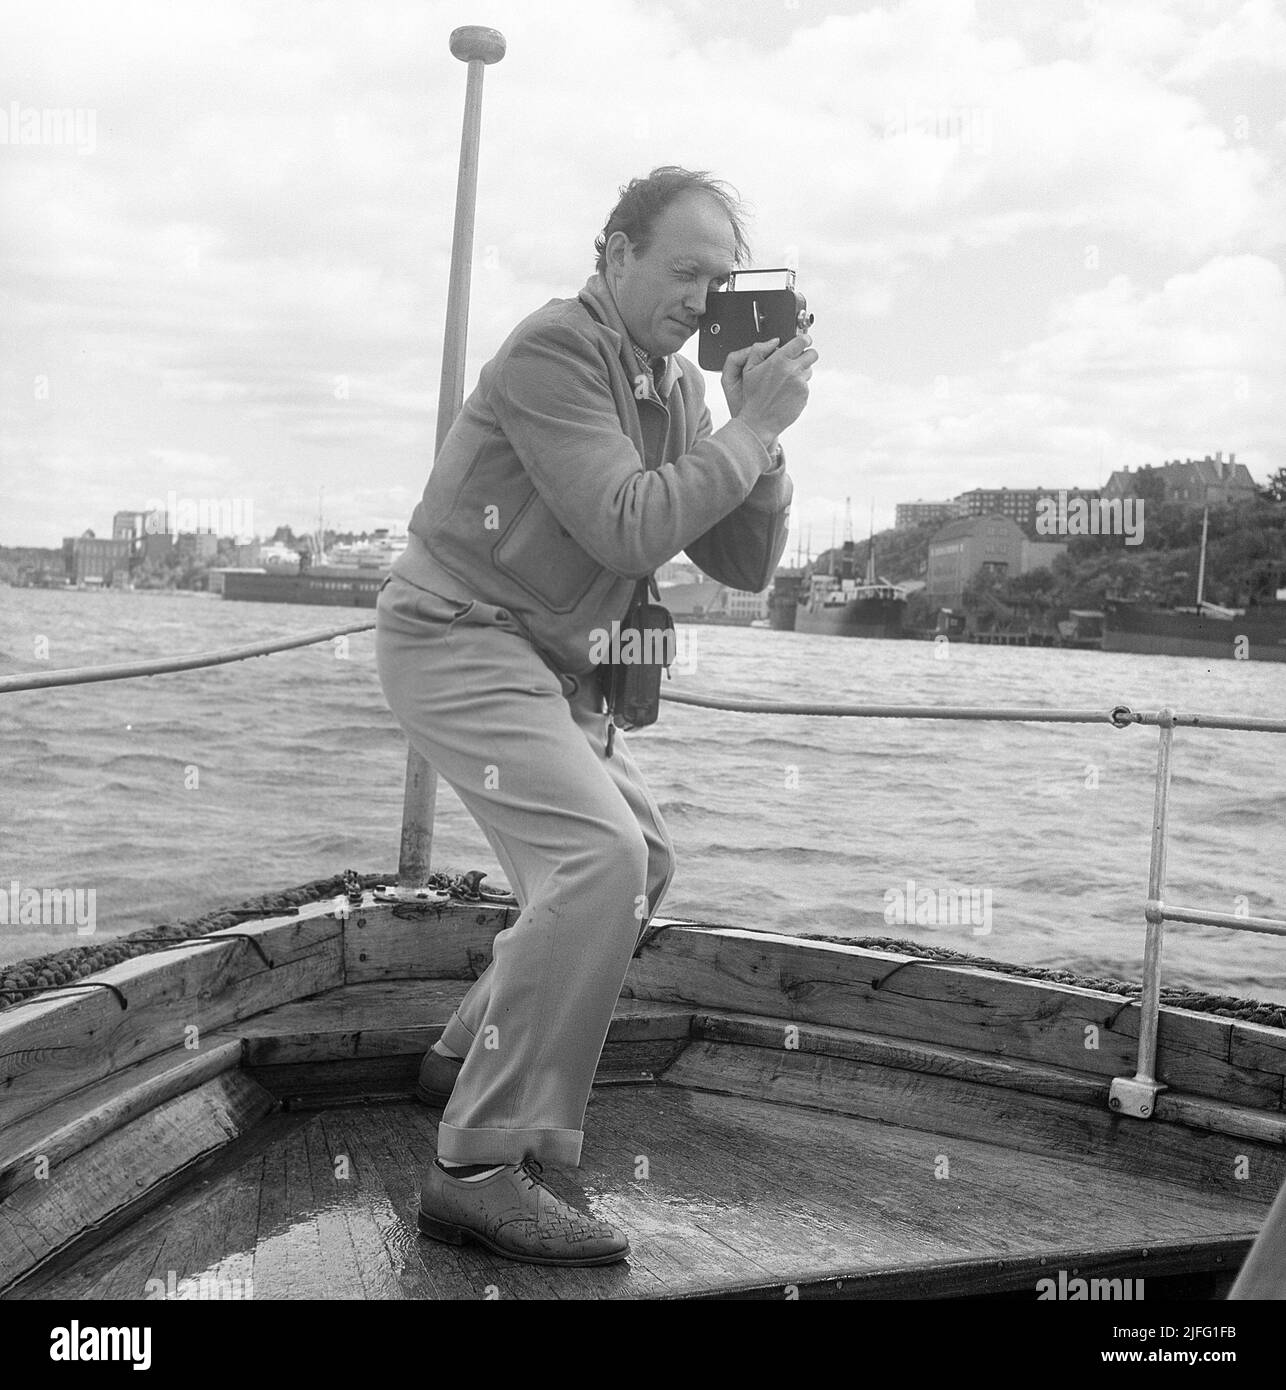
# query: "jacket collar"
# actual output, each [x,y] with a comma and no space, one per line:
[597,298]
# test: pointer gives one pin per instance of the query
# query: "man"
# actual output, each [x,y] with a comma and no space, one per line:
[583,460]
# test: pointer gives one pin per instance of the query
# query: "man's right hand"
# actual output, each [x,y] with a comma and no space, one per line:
[766,387]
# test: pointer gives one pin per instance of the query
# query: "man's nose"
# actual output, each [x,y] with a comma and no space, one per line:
[695,300]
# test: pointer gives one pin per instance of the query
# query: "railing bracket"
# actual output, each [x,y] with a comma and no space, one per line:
[426,897]
[1131,1096]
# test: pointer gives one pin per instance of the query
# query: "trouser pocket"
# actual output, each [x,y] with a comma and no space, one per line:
[406,606]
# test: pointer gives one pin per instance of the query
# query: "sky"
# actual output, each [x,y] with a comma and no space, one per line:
[1042,241]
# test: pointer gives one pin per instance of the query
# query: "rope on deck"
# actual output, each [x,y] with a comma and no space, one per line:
[1175,996]
[21,979]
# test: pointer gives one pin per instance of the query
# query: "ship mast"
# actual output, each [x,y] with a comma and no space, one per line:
[319,540]
[870,557]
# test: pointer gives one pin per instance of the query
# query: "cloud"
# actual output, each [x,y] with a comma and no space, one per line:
[267,217]
[1140,375]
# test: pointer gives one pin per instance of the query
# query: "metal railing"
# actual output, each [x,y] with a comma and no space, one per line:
[1135,1096]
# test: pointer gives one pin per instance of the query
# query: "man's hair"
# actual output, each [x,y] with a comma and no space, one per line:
[644,200]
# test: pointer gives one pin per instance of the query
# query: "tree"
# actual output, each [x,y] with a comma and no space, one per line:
[1275,489]
[1149,484]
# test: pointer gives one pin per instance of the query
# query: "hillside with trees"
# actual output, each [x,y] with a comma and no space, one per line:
[1245,557]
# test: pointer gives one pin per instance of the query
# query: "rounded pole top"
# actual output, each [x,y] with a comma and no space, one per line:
[475,43]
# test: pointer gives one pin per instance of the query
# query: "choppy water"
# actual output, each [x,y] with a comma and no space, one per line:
[790,824]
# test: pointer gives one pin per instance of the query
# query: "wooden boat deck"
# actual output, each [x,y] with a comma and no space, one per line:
[763,1193]
[739,1196]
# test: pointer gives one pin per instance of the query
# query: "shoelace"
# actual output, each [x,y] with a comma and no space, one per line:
[531,1169]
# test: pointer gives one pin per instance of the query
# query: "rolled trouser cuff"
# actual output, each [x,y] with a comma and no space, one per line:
[560,1147]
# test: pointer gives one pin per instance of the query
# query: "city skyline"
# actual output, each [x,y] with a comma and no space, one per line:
[177,516]
[1041,243]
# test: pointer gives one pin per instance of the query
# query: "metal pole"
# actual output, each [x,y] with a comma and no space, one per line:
[477,46]
[1201,568]
[1154,910]
[1137,1095]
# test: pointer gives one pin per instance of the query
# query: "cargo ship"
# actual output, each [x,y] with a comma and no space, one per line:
[1257,633]
[841,605]
[348,576]
[339,586]
[1208,630]
[783,601]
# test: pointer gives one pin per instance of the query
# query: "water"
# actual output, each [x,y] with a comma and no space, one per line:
[173,796]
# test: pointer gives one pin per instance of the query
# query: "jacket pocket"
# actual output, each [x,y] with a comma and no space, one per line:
[541,556]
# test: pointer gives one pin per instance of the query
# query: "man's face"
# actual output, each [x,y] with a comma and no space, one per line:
[662,292]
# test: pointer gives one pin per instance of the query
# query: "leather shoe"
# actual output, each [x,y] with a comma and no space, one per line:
[437,1079]
[515,1215]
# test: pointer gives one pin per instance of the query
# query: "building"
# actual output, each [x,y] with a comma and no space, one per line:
[1039,555]
[703,600]
[128,526]
[157,545]
[277,556]
[1192,482]
[678,572]
[244,555]
[706,600]
[1018,504]
[964,548]
[917,513]
[745,607]
[91,560]
[198,546]
[381,551]
[152,538]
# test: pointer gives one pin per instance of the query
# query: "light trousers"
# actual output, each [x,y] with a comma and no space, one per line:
[579,837]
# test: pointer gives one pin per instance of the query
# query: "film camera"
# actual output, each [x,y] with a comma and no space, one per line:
[735,318]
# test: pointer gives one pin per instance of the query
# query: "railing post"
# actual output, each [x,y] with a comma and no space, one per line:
[1137,1095]
[477,46]
[419,801]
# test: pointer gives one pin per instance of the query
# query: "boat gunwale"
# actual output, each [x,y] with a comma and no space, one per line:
[25,1028]
[443,942]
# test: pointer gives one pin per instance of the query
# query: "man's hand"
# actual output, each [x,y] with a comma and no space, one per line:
[766,387]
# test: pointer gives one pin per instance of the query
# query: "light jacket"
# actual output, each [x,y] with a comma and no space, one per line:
[569,475]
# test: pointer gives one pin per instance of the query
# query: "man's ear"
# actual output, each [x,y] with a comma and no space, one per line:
[615,250]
